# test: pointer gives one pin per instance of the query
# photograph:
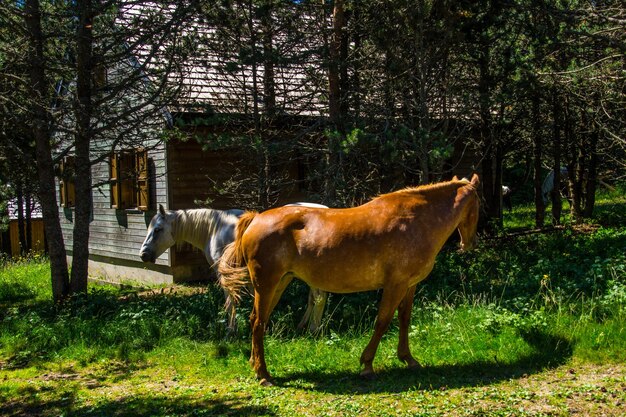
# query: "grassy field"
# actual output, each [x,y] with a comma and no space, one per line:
[527,325]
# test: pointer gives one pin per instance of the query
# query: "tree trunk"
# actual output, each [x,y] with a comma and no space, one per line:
[21,227]
[356,67]
[269,98]
[334,68]
[492,188]
[497,183]
[28,205]
[344,49]
[540,208]
[84,112]
[592,173]
[490,152]
[576,173]
[556,154]
[255,67]
[269,90]
[45,166]
[333,168]
[264,173]
[576,166]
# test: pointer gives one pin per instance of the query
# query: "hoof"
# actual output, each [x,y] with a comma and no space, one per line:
[413,364]
[265,383]
[368,375]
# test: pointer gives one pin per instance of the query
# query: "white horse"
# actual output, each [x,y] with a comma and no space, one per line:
[210,231]
[548,185]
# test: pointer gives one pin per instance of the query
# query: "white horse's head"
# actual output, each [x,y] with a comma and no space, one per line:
[159,237]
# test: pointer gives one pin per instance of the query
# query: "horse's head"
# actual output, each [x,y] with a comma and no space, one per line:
[159,237]
[469,219]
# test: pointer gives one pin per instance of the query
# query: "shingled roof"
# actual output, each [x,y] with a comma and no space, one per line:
[215,79]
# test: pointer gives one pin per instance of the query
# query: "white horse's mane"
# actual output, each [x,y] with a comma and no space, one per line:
[197,224]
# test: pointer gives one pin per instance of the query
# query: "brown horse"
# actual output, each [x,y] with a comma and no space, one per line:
[389,243]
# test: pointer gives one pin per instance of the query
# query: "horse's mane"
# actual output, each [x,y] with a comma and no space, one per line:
[196,224]
[453,184]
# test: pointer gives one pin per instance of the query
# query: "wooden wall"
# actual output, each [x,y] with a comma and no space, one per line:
[181,174]
[117,235]
[464,162]
[194,175]
[13,238]
[197,175]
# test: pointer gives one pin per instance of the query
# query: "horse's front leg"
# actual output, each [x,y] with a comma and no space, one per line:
[404,316]
[392,295]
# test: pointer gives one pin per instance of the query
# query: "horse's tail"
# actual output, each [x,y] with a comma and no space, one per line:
[233,270]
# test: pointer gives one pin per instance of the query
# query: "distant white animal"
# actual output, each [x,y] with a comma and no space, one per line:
[548,185]
[506,197]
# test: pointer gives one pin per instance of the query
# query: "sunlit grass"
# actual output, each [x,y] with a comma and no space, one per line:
[609,210]
[25,278]
[515,307]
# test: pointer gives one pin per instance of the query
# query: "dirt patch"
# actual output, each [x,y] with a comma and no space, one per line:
[588,390]
[174,290]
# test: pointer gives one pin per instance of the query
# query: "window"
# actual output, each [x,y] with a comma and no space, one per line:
[67,192]
[129,179]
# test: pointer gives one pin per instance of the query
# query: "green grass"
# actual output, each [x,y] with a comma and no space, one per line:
[24,279]
[609,210]
[527,325]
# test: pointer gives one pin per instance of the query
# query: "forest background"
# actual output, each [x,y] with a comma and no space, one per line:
[395,88]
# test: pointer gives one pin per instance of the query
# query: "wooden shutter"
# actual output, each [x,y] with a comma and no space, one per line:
[143,191]
[66,182]
[127,179]
[115,180]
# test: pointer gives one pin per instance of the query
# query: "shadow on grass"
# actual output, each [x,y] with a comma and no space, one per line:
[610,214]
[549,352]
[11,292]
[105,324]
[136,406]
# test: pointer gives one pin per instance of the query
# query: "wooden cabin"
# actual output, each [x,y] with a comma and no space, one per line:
[176,174]
[10,238]
[180,174]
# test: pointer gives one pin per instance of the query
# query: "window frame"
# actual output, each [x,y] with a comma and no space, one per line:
[129,179]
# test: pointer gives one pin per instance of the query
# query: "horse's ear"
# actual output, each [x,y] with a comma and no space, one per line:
[475,180]
[161,210]
[455,178]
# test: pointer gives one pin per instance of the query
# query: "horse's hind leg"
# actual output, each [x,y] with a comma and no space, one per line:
[258,321]
[265,299]
[319,303]
[309,309]
[388,305]
[404,316]
[282,285]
